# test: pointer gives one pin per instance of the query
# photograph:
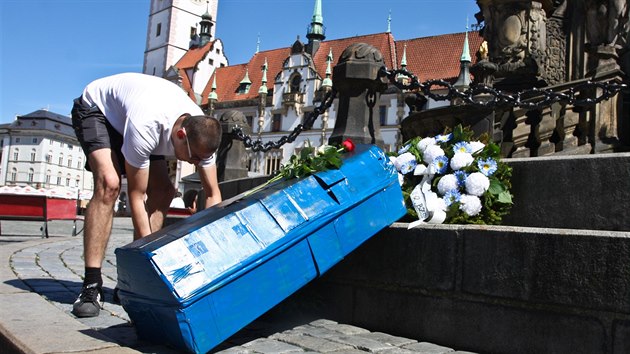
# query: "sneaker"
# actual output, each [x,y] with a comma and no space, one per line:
[90,301]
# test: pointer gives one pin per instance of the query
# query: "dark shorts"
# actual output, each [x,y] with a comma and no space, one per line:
[95,132]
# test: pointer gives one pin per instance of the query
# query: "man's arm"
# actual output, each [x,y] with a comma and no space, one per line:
[210,184]
[137,182]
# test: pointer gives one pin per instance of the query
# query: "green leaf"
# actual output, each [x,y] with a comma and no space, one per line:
[496,187]
[505,197]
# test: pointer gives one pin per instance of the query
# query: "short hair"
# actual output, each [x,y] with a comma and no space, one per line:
[203,131]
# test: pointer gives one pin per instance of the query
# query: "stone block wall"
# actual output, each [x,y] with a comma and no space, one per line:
[576,192]
[489,289]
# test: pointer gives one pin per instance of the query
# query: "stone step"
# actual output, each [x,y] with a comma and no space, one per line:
[574,192]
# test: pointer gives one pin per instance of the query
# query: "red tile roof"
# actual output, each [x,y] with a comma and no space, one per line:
[190,61]
[436,57]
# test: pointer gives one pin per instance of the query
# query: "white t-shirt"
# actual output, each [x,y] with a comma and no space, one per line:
[143,109]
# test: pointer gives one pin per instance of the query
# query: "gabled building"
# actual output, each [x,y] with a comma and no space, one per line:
[40,149]
[278,88]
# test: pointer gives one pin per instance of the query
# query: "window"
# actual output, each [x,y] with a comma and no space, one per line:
[17,140]
[295,84]
[218,51]
[79,163]
[250,121]
[272,161]
[276,123]
[210,61]
[70,147]
[158,30]
[59,179]
[48,177]
[193,32]
[14,174]
[33,155]
[69,161]
[34,140]
[49,157]
[243,88]
[60,161]
[78,181]
[382,114]
[68,181]
[16,154]
[30,175]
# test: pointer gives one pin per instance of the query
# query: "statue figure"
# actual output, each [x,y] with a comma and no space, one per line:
[604,19]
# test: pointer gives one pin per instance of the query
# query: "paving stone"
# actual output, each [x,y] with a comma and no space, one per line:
[364,344]
[271,346]
[311,343]
[341,328]
[387,338]
[234,350]
[428,348]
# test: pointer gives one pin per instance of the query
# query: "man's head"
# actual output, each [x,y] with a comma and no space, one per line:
[199,137]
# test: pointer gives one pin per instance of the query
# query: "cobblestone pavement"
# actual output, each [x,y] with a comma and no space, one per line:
[52,268]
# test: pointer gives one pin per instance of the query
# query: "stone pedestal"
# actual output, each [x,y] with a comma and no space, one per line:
[231,157]
[359,89]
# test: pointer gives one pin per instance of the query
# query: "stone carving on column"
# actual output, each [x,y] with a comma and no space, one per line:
[556,45]
[606,32]
[516,34]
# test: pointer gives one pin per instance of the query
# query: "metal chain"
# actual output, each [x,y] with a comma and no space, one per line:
[477,95]
[486,96]
[258,145]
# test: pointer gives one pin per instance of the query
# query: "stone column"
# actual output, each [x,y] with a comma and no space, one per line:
[359,89]
[232,157]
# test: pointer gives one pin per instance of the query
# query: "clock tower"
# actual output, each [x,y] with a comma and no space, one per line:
[171,25]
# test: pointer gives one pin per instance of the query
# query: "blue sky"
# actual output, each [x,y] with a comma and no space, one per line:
[50,49]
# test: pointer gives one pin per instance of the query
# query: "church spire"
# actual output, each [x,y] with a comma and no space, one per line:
[463,80]
[466,50]
[206,26]
[258,43]
[316,31]
[389,22]
[327,82]
[263,86]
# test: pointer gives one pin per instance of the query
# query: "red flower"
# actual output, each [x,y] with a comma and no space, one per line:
[348,145]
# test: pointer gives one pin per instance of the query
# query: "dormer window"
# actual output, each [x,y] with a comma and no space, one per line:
[243,88]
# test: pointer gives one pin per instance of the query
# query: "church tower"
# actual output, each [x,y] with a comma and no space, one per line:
[172,24]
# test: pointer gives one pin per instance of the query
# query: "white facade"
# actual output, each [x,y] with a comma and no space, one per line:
[41,150]
[171,24]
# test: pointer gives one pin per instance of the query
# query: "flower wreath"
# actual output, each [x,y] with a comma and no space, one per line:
[451,178]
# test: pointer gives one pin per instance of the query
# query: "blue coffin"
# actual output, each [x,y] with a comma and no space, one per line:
[197,282]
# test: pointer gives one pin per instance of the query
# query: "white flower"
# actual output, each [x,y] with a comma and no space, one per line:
[322,149]
[431,152]
[424,143]
[420,170]
[440,204]
[477,184]
[461,160]
[405,163]
[476,146]
[401,179]
[470,204]
[447,183]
